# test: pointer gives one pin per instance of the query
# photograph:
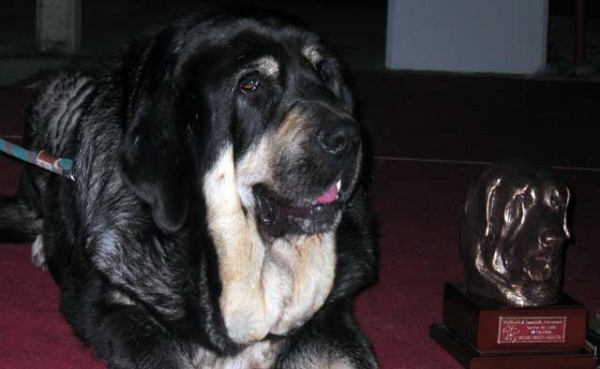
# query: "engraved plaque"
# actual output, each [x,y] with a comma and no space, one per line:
[527,329]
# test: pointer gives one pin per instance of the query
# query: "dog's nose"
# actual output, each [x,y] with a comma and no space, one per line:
[337,136]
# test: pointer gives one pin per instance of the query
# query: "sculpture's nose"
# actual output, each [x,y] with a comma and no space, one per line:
[551,239]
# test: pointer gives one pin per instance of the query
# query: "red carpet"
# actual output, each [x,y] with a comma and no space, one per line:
[417,205]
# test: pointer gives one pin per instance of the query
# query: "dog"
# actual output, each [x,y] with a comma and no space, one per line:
[219,216]
[513,231]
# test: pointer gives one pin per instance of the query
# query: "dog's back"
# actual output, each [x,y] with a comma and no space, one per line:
[54,112]
[51,125]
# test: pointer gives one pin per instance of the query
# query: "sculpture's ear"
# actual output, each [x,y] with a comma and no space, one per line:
[491,203]
[566,213]
[513,212]
[154,151]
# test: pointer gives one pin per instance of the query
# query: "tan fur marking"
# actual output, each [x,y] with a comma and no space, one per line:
[312,259]
[260,355]
[291,135]
[293,126]
[241,257]
[38,257]
[120,298]
[256,166]
[253,169]
[265,289]
[312,54]
[268,66]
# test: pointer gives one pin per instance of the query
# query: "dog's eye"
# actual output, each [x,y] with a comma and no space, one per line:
[249,84]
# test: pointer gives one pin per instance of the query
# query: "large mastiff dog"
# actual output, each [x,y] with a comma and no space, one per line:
[218,217]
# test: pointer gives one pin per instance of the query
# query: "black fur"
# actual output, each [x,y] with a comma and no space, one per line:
[129,241]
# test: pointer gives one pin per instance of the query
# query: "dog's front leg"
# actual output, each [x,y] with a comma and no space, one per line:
[120,332]
[128,340]
[332,340]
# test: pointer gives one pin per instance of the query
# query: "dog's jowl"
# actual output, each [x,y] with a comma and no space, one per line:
[219,217]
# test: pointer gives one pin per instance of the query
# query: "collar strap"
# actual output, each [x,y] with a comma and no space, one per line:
[42,159]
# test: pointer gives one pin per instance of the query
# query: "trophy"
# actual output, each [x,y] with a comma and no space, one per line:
[511,312]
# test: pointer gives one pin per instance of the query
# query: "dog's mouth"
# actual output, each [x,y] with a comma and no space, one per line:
[330,195]
[278,216]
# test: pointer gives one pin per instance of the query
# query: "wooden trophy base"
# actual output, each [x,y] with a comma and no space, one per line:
[470,358]
[483,334]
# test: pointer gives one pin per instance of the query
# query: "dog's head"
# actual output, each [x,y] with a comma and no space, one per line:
[513,232]
[257,91]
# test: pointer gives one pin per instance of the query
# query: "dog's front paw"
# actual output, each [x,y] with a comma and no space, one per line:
[38,258]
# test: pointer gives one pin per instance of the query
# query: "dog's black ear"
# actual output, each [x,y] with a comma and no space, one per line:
[339,82]
[348,97]
[155,153]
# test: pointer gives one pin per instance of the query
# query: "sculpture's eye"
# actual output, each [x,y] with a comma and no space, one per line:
[527,199]
[554,200]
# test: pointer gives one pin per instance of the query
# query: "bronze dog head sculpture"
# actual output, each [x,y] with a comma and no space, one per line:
[513,232]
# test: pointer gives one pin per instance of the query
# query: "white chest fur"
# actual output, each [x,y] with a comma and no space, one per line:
[261,355]
[266,288]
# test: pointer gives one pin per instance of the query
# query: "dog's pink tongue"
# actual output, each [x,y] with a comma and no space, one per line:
[328,196]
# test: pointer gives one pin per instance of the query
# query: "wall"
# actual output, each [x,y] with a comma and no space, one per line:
[493,36]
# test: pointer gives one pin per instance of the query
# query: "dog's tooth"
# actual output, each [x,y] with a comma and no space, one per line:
[338,185]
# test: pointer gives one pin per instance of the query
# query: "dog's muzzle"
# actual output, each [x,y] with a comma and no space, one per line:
[314,203]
